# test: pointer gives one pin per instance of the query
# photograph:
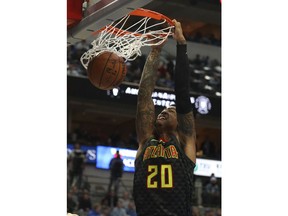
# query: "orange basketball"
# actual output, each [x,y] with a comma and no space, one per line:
[107,70]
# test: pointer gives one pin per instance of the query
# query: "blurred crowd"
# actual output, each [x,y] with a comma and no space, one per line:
[81,194]
[205,72]
[114,139]
[198,37]
[79,202]
[206,148]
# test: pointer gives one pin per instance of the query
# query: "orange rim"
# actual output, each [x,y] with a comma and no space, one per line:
[138,12]
[114,29]
[152,14]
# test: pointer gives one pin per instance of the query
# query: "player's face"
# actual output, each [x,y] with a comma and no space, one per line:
[167,118]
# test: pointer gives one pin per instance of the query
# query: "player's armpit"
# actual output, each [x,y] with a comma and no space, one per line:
[186,124]
[187,134]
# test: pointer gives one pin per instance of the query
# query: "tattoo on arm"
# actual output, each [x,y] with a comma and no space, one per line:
[187,134]
[186,124]
[148,78]
[145,114]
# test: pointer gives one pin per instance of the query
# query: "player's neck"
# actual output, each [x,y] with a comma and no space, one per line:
[166,136]
[164,139]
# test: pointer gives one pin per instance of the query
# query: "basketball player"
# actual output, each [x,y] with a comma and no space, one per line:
[166,155]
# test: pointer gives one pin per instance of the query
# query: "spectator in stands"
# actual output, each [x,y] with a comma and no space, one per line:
[209,212]
[71,203]
[77,158]
[119,209]
[71,53]
[95,211]
[211,194]
[133,143]
[82,45]
[205,60]
[116,166]
[74,70]
[116,139]
[126,199]
[85,202]
[197,37]
[85,184]
[197,61]
[75,194]
[131,210]
[213,40]
[218,212]
[105,211]
[208,148]
[109,200]
[195,211]
[134,72]
[205,39]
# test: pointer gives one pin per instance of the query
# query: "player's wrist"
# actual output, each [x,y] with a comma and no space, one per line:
[181,41]
[156,49]
[155,52]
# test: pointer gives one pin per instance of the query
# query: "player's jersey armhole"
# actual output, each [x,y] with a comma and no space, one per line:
[193,164]
[144,146]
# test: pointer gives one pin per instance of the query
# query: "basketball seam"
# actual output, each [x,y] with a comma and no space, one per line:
[104,69]
[123,72]
[90,74]
[118,72]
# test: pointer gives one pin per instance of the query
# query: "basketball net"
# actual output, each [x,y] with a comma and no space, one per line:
[126,39]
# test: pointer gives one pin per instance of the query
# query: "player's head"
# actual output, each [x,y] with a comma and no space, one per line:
[213,180]
[117,154]
[77,146]
[166,121]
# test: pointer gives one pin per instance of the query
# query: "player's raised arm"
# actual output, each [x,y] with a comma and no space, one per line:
[145,114]
[186,125]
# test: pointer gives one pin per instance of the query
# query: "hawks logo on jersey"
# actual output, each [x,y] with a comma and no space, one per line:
[156,151]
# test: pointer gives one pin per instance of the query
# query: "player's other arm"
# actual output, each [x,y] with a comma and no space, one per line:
[186,123]
[145,114]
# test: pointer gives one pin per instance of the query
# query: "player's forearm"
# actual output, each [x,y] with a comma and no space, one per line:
[183,104]
[145,114]
[148,78]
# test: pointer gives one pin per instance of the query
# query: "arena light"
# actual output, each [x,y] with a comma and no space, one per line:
[207,77]
[217,68]
[218,94]
[203,104]
[115,91]
[207,87]
[198,71]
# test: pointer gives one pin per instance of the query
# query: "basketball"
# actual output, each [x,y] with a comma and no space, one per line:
[107,70]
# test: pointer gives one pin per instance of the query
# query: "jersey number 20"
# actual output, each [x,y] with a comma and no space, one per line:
[165,170]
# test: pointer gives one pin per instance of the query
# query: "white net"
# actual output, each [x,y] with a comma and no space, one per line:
[126,41]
